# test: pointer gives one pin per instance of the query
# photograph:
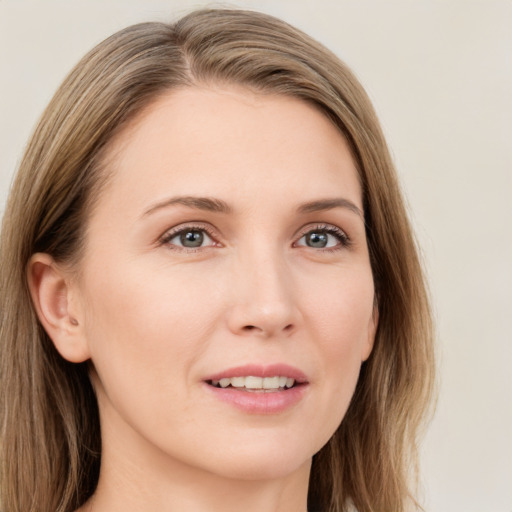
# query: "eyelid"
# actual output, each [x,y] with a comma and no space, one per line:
[168,235]
[341,234]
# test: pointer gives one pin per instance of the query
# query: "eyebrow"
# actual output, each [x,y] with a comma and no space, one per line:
[212,204]
[209,204]
[329,204]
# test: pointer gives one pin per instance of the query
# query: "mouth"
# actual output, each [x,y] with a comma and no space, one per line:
[257,389]
[256,384]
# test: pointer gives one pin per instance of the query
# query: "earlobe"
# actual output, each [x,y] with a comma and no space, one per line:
[51,292]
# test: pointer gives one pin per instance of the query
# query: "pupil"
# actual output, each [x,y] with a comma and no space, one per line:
[317,240]
[192,238]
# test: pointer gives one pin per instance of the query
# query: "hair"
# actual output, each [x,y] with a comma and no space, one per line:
[50,444]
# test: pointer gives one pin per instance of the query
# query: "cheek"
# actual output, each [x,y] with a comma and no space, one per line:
[146,331]
[340,322]
[341,311]
[155,303]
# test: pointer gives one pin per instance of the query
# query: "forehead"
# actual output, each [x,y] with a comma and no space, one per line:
[232,143]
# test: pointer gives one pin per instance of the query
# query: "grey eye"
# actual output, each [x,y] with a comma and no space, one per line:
[320,239]
[192,238]
[316,239]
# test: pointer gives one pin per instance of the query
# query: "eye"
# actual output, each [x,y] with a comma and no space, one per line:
[324,237]
[189,238]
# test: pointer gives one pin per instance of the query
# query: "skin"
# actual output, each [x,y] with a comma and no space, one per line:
[156,318]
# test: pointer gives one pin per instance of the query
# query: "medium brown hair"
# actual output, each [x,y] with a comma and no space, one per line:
[50,437]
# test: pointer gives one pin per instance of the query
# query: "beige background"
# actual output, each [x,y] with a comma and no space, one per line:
[440,74]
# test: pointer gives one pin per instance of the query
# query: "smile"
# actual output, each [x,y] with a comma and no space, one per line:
[259,389]
[255,384]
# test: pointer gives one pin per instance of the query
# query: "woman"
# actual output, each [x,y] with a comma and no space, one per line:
[213,298]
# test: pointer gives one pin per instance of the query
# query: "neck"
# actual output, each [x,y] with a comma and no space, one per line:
[208,494]
[146,489]
[134,476]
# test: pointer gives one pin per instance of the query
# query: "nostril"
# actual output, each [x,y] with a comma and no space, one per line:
[252,328]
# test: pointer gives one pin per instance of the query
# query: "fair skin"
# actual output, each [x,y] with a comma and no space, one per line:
[270,268]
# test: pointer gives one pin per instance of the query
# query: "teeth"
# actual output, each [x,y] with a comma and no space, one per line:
[238,382]
[256,383]
[253,382]
[271,383]
[224,383]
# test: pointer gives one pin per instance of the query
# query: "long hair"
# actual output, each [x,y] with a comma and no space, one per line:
[50,446]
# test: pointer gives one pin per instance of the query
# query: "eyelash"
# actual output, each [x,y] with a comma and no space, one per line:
[174,232]
[339,234]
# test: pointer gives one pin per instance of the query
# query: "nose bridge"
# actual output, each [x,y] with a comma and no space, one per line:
[263,298]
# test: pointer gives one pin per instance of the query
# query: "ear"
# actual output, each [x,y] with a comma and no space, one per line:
[52,294]
[372,331]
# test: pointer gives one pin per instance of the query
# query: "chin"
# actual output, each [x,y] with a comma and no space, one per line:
[272,458]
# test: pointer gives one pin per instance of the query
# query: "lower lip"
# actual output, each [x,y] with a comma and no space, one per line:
[258,402]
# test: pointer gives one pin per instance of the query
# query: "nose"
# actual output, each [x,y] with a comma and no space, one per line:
[263,299]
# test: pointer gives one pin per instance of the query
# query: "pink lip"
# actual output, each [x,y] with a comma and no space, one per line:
[255,370]
[260,402]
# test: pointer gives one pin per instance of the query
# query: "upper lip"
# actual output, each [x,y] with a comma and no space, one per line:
[258,370]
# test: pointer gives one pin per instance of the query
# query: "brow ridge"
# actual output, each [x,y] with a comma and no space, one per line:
[328,204]
[201,203]
[219,206]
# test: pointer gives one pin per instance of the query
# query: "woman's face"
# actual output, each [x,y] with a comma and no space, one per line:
[229,243]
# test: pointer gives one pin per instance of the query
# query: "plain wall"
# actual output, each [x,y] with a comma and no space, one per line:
[440,75]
